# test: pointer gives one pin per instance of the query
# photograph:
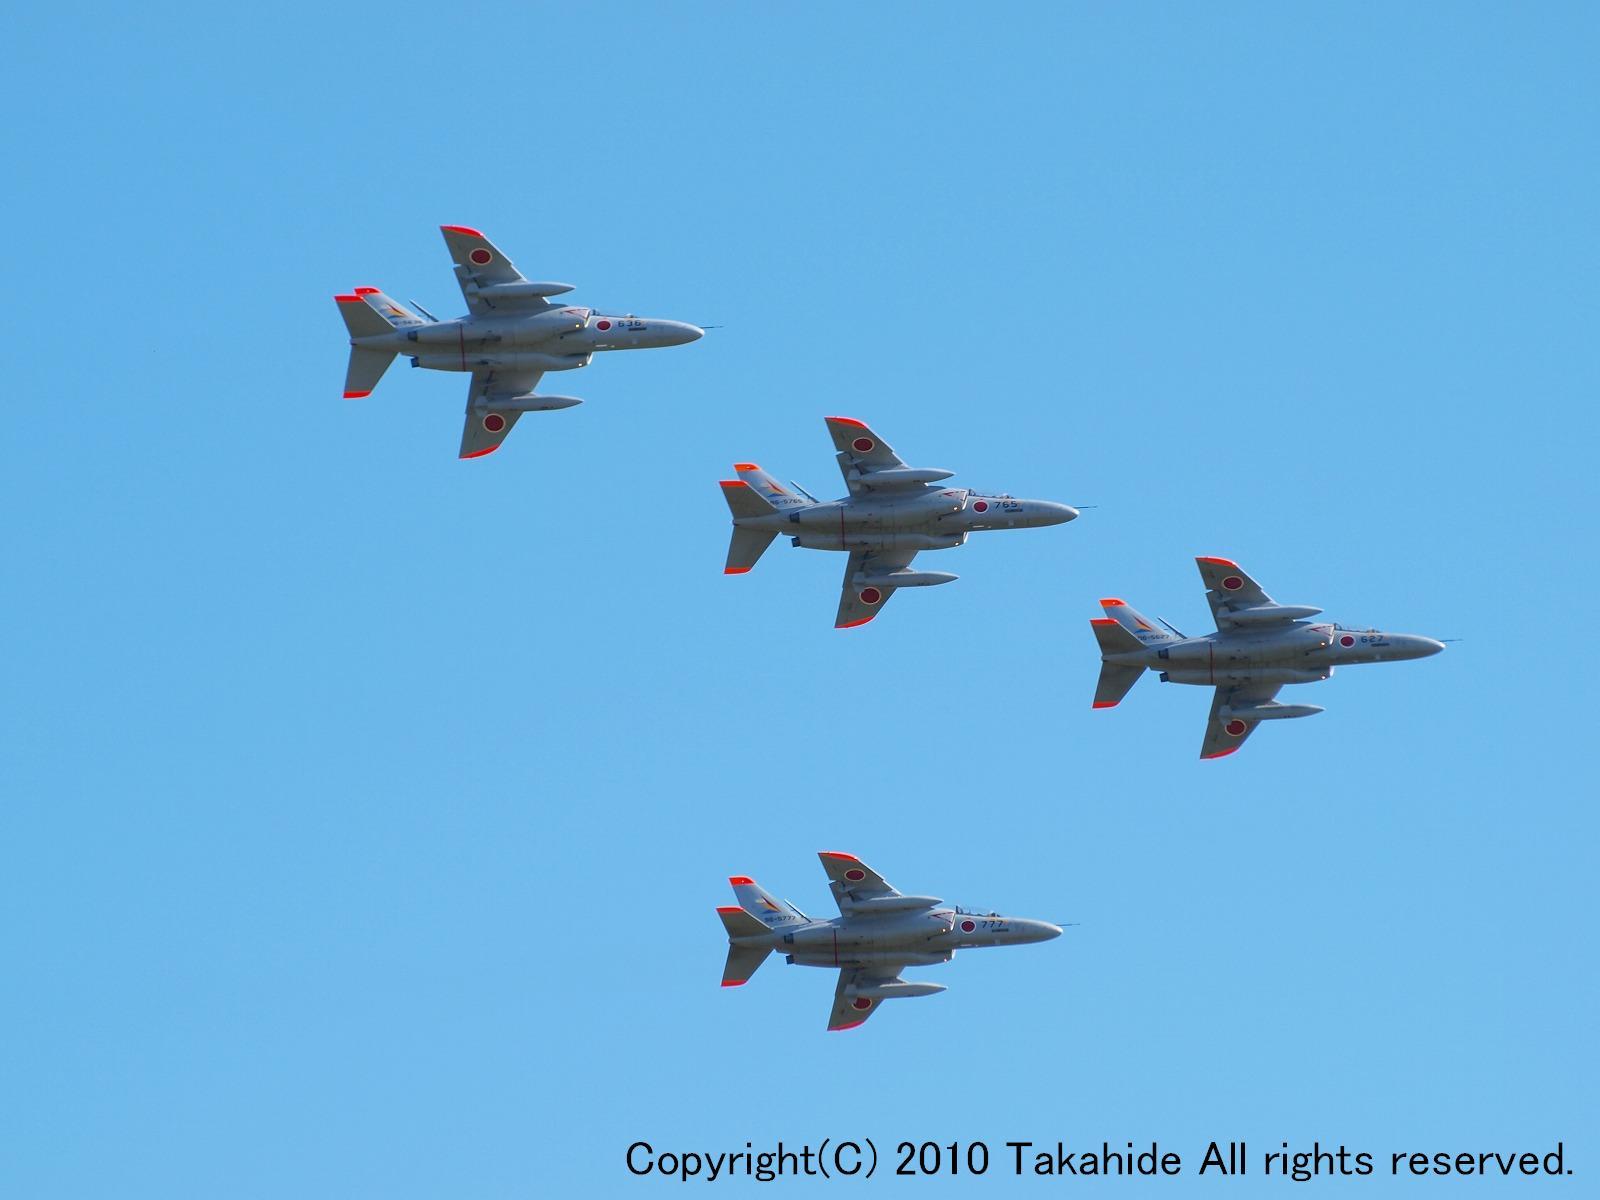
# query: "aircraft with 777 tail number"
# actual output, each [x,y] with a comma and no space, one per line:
[878,933]
[1259,646]
[512,334]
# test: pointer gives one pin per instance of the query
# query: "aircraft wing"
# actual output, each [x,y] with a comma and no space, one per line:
[1225,734]
[861,451]
[486,427]
[480,263]
[854,876]
[1229,589]
[851,1010]
[863,595]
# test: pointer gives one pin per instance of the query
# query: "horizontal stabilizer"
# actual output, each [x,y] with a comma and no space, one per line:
[745,548]
[1115,681]
[740,924]
[1114,637]
[744,501]
[742,963]
[366,368]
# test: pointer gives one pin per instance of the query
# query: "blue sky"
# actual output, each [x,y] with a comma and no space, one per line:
[367,810]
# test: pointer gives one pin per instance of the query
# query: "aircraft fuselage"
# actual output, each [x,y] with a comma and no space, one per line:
[931,519]
[922,936]
[556,339]
[1301,653]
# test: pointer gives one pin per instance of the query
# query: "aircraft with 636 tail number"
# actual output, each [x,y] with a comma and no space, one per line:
[512,334]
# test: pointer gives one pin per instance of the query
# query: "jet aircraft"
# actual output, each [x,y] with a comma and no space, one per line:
[1259,646]
[893,512]
[878,933]
[511,335]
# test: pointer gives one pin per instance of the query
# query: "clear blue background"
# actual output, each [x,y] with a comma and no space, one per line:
[365,810]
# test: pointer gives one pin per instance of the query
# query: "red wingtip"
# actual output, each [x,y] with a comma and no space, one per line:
[733,483]
[1106,703]
[1113,602]
[356,395]
[1103,621]
[734,982]
[347,299]
[842,1028]
[849,421]
[740,880]
[746,466]
[729,908]
[1222,753]
[366,291]
[853,624]
[1221,562]
[736,570]
[481,453]
[839,854]
[466,229]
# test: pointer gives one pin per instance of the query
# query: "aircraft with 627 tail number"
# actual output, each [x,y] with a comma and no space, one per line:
[877,934]
[510,337]
[893,512]
[1259,646]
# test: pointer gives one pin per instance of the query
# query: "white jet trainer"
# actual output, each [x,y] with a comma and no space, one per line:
[510,337]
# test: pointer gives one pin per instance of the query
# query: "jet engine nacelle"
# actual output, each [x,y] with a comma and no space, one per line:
[852,540]
[902,989]
[510,361]
[531,403]
[852,958]
[1247,675]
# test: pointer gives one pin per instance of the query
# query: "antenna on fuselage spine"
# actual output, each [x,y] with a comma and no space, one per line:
[424,311]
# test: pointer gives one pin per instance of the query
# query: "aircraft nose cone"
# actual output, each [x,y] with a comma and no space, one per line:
[1047,512]
[1037,931]
[1427,647]
[681,333]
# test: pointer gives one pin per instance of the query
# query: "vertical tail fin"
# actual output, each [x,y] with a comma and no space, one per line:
[764,907]
[394,314]
[768,488]
[1149,633]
